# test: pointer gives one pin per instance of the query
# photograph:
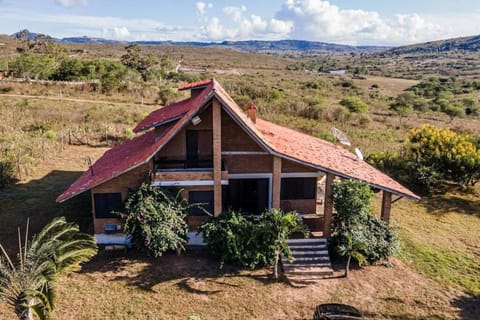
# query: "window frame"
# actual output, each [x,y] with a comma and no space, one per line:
[110,197]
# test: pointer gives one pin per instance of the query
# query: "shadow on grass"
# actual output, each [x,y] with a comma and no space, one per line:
[187,270]
[469,306]
[35,201]
[451,203]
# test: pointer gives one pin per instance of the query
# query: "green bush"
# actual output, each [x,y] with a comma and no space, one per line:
[433,158]
[354,104]
[156,219]
[250,241]
[33,66]
[7,172]
[355,232]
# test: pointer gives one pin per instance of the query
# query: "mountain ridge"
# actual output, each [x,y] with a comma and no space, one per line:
[470,43]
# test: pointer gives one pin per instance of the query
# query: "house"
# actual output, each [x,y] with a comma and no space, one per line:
[226,158]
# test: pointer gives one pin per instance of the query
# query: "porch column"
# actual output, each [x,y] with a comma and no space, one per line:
[328,205]
[276,181]
[386,206]
[217,157]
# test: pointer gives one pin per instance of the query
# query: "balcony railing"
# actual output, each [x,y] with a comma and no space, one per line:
[185,165]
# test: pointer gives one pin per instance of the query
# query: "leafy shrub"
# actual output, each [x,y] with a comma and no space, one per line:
[381,242]
[250,241]
[443,153]
[7,172]
[50,135]
[355,232]
[156,219]
[433,157]
[33,66]
[234,239]
[6,89]
[354,104]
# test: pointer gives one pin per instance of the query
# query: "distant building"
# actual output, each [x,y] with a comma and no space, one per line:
[340,72]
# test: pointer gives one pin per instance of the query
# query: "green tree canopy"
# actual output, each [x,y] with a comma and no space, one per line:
[156,219]
[28,283]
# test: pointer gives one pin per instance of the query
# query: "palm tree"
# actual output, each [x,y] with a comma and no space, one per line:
[28,284]
[281,225]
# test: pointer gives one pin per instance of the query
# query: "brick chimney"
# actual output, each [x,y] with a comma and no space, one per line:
[252,111]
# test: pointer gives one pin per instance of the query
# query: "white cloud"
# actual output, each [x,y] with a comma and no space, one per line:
[202,7]
[281,26]
[238,25]
[120,33]
[235,12]
[71,3]
[320,20]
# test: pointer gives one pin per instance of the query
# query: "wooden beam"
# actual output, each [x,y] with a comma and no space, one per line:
[217,156]
[328,206]
[386,206]
[276,181]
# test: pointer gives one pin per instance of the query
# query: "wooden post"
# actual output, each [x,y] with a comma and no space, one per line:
[217,157]
[276,181]
[328,206]
[386,206]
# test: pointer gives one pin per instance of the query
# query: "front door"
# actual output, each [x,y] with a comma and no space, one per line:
[248,195]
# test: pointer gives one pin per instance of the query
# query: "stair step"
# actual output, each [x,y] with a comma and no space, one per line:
[306,265]
[311,273]
[308,252]
[307,246]
[309,259]
[313,241]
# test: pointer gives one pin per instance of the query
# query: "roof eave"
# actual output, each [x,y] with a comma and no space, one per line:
[343,175]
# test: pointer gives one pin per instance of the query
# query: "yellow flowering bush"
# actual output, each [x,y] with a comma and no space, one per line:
[453,157]
[432,157]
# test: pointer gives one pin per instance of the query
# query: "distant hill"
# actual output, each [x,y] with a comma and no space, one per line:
[249,45]
[464,43]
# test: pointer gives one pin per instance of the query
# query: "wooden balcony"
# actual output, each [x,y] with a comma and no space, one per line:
[199,175]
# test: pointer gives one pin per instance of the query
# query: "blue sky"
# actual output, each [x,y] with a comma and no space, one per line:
[357,22]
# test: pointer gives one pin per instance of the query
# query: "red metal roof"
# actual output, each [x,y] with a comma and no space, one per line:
[114,162]
[192,85]
[131,153]
[164,114]
[327,156]
[287,143]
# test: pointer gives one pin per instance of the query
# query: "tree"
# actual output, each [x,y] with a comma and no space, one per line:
[156,219]
[354,104]
[252,241]
[28,284]
[403,105]
[135,60]
[355,232]
[33,66]
[280,226]
[438,156]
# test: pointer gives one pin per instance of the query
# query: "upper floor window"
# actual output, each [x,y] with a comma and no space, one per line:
[199,148]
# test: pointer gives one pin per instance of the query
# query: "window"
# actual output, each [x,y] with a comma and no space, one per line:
[199,148]
[298,188]
[205,198]
[105,203]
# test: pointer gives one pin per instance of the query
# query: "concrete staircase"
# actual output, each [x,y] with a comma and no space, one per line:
[311,261]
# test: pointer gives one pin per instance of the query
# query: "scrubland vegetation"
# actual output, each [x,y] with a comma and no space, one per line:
[48,129]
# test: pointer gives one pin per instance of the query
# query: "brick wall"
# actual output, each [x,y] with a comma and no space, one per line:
[131,179]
